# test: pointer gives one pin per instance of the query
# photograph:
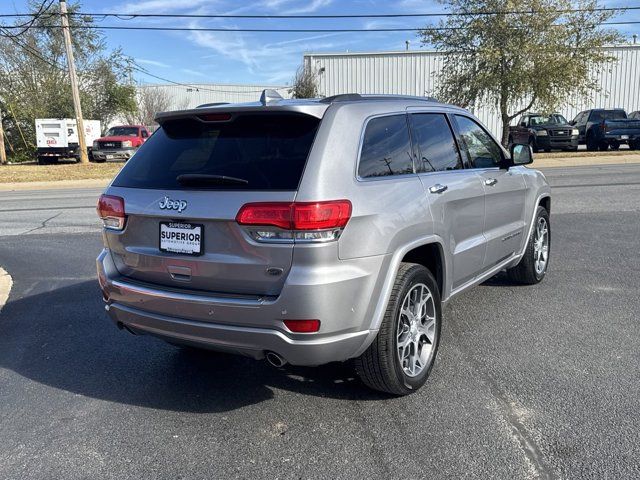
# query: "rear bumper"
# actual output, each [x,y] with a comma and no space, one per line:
[620,137]
[342,300]
[249,341]
[123,154]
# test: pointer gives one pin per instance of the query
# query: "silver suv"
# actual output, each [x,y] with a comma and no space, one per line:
[313,231]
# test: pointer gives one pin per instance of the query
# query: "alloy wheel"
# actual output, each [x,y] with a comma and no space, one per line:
[541,246]
[416,330]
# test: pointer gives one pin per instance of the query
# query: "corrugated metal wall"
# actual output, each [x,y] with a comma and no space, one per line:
[415,73]
[191,96]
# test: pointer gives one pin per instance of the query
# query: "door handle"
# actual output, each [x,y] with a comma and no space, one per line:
[437,188]
[490,182]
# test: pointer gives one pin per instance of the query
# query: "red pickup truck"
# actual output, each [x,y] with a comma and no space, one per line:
[119,143]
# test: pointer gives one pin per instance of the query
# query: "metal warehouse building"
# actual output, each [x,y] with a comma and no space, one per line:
[416,73]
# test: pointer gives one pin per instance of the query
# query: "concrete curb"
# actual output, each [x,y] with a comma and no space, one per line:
[629,159]
[5,287]
[546,162]
[58,184]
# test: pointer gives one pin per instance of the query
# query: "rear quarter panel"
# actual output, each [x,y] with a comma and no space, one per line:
[387,213]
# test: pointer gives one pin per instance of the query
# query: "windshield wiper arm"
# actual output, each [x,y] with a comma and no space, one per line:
[195,179]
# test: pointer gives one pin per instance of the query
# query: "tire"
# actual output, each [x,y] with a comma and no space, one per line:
[592,144]
[635,145]
[379,366]
[572,149]
[603,146]
[615,145]
[526,272]
[547,150]
[533,144]
[43,161]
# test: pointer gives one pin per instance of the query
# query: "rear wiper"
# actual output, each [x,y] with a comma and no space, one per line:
[200,179]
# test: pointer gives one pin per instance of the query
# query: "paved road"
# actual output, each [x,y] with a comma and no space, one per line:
[530,382]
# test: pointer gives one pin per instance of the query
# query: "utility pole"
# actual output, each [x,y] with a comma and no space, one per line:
[3,155]
[74,82]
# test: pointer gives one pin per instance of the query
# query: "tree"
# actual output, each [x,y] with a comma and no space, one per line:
[151,100]
[305,83]
[34,81]
[516,61]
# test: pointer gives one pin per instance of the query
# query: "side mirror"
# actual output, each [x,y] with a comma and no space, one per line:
[521,154]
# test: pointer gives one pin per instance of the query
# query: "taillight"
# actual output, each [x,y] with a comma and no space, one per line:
[111,211]
[303,326]
[301,221]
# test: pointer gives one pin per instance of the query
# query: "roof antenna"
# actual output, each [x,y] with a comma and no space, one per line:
[269,95]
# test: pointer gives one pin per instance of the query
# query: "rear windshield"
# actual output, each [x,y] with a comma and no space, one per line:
[599,115]
[265,152]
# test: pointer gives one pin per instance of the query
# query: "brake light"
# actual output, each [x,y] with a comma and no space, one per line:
[111,212]
[215,117]
[303,326]
[304,221]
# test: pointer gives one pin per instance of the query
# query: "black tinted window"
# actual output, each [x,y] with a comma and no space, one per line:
[436,147]
[268,151]
[386,149]
[484,152]
[600,115]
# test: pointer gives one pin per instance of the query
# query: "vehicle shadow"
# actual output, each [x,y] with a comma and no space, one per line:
[501,280]
[64,339]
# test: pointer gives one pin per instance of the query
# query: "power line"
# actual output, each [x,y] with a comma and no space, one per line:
[146,72]
[25,26]
[33,52]
[281,30]
[129,16]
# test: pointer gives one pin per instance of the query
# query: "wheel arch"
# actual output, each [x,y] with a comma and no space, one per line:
[430,256]
[546,203]
[420,250]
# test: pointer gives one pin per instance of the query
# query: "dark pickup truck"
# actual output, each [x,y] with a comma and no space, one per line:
[603,128]
[544,132]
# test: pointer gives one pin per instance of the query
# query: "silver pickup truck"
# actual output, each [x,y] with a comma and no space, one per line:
[313,231]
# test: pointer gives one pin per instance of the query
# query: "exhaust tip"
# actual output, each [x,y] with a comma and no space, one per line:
[275,360]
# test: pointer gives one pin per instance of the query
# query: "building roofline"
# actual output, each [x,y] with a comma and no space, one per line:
[205,85]
[424,52]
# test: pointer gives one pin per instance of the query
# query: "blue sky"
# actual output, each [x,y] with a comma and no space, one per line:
[257,58]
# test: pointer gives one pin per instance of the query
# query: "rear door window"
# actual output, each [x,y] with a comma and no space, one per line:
[386,147]
[437,149]
[266,152]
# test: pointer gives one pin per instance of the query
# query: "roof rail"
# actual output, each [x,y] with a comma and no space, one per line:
[215,104]
[344,97]
[355,97]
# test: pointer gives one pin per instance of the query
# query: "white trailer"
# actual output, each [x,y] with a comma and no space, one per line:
[57,138]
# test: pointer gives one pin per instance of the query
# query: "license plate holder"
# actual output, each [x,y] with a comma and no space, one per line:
[181,237]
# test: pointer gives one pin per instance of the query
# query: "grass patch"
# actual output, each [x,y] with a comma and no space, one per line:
[33,172]
[585,154]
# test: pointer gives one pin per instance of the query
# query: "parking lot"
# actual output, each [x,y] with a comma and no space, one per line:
[530,382]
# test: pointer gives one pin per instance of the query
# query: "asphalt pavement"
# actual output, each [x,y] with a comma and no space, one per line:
[530,382]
